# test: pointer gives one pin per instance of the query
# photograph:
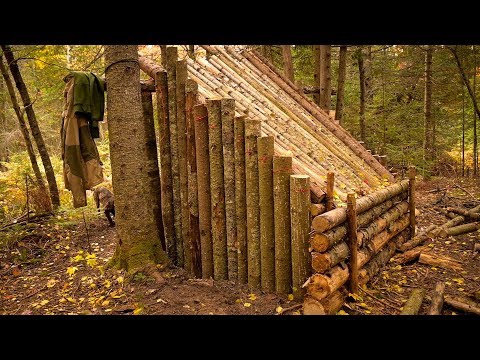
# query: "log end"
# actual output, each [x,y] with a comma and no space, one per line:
[312,307]
[318,287]
[320,262]
[319,242]
[443,234]
[320,223]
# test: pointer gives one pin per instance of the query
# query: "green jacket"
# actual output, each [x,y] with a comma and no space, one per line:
[88,98]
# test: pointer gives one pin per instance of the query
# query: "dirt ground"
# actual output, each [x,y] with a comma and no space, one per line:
[49,270]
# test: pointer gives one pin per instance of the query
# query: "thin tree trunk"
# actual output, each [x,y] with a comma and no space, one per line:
[163,55]
[475,140]
[240,198]
[23,126]
[463,130]
[191,51]
[361,71]
[429,145]
[287,62]
[3,118]
[367,63]
[342,70]
[325,77]
[139,247]
[32,120]
[316,72]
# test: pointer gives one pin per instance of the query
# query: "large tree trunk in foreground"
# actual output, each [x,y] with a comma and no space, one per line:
[139,247]
[342,70]
[32,121]
[437,299]
[23,126]
[414,302]
[287,62]
[429,140]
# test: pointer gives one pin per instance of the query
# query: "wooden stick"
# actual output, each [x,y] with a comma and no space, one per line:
[329,194]
[414,302]
[460,305]
[300,227]
[411,199]
[440,261]
[282,169]
[463,212]
[265,145]
[353,242]
[437,299]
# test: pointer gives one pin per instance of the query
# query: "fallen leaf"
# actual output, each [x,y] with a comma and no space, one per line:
[279,309]
[247,304]
[51,283]
[342,312]
[137,310]
[78,258]
[120,279]
[296,313]
[459,281]
[71,270]
[252,297]
[16,272]
[290,297]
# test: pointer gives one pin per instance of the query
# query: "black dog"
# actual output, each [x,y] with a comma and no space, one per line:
[105,197]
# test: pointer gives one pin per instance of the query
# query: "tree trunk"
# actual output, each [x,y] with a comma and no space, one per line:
[300,227]
[412,255]
[414,302]
[191,90]
[265,145]
[32,121]
[361,72]
[352,242]
[475,139]
[152,164]
[282,169]
[287,62]
[367,64]
[252,131]
[240,198]
[342,71]
[23,127]
[203,184]
[437,299]
[228,139]
[328,306]
[3,118]
[180,82]
[458,230]
[330,219]
[191,51]
[457,303]
[171,66]
[411,200]
[139,246]
[325,77]
[329,192]
[316,72]
[429,140]
[217,190]
[163,55]
[440,261]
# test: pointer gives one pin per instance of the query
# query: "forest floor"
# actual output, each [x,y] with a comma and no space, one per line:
[46,268]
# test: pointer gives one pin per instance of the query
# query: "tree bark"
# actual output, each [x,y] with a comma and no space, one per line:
[287,62]
[252,131]
[437,299]
[330,219]
[300,227]
[325,77]
[139,247]
[429,139]
[352,242]
[23,127]
[163,55]
[3,118]
[203,183]
[217,189]
[240,198]
[342,70]
[282,169]
[414,302]
[378,262]
[457,303]
[458,230]
[32,121]
[265,145]
[440,261]
[171,66]
[180,82]
[361,72]
[228,118]
[329,192]
[191,90]
[152,164]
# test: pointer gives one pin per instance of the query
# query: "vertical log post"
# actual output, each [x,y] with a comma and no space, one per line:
[203,183]
[352,241]
[181,80]
[411,199]
[240,198]
[329,195]
[191,90]
[265,145]
[165,163]
[300,228]
[282,169]
[252,131]
[217,190]
[228,116]
[172,55]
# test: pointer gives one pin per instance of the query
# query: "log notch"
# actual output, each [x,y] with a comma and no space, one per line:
[459,304]
[437,299]
[329,194]
[335,217]
[265,145]
[191,90]
[440,261]
[414,302]
[411,198]
[300,227]
[317,209]
[282,169]
[352,242]
[165,163]
[458,230]
[152,155]
[172,55]
[240,198]
[228,116]
[217,190]
[203,183]
[328,306]
[181,80]
[252,131]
